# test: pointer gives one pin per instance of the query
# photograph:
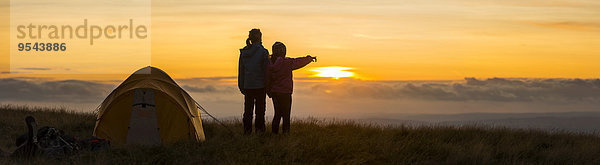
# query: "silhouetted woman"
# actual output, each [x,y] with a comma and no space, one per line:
[280,84]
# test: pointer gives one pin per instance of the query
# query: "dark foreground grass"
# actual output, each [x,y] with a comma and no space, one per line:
[314,141]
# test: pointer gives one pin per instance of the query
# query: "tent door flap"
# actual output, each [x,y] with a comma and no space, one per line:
[143,125]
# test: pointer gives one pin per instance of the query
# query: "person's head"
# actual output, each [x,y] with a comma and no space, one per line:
[255,36]
[279,50]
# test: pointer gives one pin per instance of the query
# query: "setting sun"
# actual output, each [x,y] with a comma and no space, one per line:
[333,72]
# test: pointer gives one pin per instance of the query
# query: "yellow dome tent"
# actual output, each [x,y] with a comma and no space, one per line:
[148,108]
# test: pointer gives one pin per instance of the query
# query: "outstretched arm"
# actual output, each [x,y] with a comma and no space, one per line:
[300,62]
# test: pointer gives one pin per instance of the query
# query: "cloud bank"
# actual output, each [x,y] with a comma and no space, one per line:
[73,91]
[471,89]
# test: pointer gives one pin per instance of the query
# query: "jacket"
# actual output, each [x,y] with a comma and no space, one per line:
[252,67]
[280,73]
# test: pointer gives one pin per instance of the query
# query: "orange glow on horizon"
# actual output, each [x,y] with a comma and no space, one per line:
[335,72]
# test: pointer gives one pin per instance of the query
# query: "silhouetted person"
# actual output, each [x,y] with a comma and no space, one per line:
[281,84]
[253,62]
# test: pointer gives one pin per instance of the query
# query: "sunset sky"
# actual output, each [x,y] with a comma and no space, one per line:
[402,56]
[387,40]
[381,40]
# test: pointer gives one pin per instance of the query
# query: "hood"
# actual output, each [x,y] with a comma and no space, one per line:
[279,62]
[249,51]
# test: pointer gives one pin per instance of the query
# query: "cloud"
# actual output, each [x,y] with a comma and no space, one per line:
[219,78]
[14,72]
[62,91]
[471,89]
[79,91]
[545,3]
[208,89]
[35,68]
[225,84]
[568,25]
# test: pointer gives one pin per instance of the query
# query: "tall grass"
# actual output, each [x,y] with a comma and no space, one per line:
[316,141]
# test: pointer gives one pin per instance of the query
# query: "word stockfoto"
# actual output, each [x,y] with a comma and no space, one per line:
[82,31]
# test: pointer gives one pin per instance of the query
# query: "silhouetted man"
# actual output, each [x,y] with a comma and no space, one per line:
[254,59]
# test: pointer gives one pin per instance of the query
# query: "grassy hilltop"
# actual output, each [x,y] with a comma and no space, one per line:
[314,141]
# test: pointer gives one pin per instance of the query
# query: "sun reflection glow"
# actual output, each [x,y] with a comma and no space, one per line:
[335,72]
